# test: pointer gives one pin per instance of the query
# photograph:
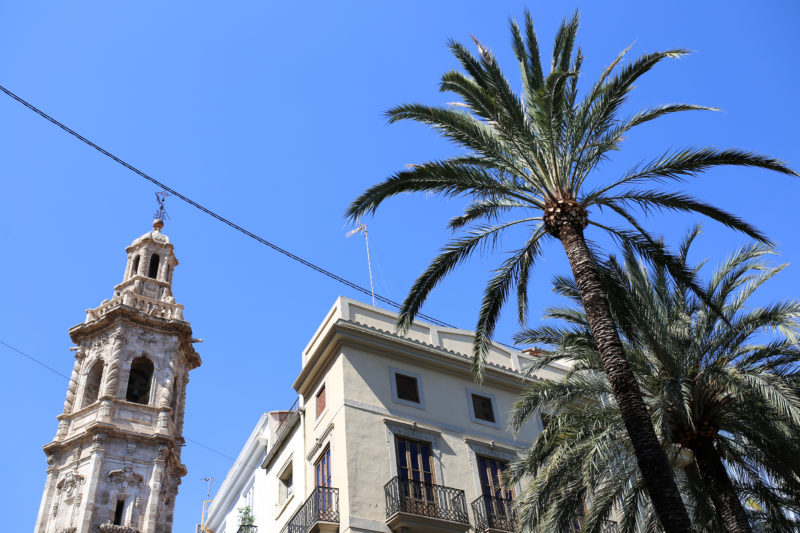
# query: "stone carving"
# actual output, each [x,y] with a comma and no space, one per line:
[69,402]
[130,447]
[98,442]
[108,527]
[114,363]
[166,389]
[69,484]
[126,477]
[71,529]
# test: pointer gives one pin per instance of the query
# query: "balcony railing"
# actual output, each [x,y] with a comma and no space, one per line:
[425,499]
[245,528]
[287,418]
[494,513]
[321,506]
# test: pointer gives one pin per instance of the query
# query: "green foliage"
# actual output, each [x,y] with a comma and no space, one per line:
[738,373]
[525,151]
[246,517]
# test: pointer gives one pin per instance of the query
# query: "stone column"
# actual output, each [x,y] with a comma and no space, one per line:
[47,497]
[156,485]
[98,452]
[110,385]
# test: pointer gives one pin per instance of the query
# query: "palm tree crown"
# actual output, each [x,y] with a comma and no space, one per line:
[529,163]
[729,382]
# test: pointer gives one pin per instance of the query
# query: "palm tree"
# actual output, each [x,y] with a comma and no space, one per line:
[722,391]
[529,161]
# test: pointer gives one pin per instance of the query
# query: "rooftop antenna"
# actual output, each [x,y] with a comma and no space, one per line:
[208,500]
[161,214]
[362,228]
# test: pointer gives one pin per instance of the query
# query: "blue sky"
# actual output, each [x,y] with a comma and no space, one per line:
[271,113]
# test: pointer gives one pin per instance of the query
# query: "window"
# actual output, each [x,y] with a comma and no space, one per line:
[135,266]
[120,509]
[322,469]
[320,400]
[286,484]
[415,471]
[407,388]
[496,497]
[152,272]
[482,407]
[139,381]
[92,387]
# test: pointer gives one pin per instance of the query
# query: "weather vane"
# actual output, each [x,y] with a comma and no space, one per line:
[161,214]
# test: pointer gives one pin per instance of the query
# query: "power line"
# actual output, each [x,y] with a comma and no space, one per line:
[50,368]
[209,212]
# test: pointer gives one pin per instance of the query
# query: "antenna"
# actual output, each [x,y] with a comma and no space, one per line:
[161,214]
[208,500]
[362,228]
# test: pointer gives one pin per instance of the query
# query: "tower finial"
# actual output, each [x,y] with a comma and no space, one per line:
[161,214]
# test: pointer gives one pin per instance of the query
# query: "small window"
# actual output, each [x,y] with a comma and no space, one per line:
[482,407]
[407,388]
[135,266]
[152,272]
[286,484]
[118,512]
[320,400]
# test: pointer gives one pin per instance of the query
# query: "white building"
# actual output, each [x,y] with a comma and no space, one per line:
[114,465]
[390,433]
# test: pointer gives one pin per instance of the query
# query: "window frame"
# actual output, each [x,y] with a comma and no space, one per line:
[286,492]
[395,396]
[471,408]
[322,390]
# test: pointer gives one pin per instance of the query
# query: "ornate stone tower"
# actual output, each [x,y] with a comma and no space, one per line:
[114,465]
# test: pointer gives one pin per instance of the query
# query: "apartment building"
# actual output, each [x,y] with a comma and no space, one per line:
[390,433]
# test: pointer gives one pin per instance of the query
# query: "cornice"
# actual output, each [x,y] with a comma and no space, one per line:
[393,345]
[132,315]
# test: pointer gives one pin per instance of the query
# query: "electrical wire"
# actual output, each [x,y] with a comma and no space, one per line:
[211,213]
[226,221]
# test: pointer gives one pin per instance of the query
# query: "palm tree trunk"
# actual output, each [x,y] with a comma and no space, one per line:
[652,460]
[721,490]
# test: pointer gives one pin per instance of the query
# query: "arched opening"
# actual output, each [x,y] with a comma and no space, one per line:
[92,388]
[135,266]
[139,381]
[152,272]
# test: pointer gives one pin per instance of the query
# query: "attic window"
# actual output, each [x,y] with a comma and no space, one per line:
[482,408]
[407,387]
[320,400]
[152,272]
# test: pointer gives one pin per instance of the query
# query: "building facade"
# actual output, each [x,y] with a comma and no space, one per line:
[390,434]
[114,465]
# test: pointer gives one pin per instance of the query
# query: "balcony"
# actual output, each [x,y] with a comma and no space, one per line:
[424,507]
[318,514]
[494,515]
[247,529]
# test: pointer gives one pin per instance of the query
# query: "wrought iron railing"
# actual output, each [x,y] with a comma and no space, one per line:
[494,513]
[247,528]
[288,417]
[321,506]
[425,499]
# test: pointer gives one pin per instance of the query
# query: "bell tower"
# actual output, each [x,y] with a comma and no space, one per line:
[114,465]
